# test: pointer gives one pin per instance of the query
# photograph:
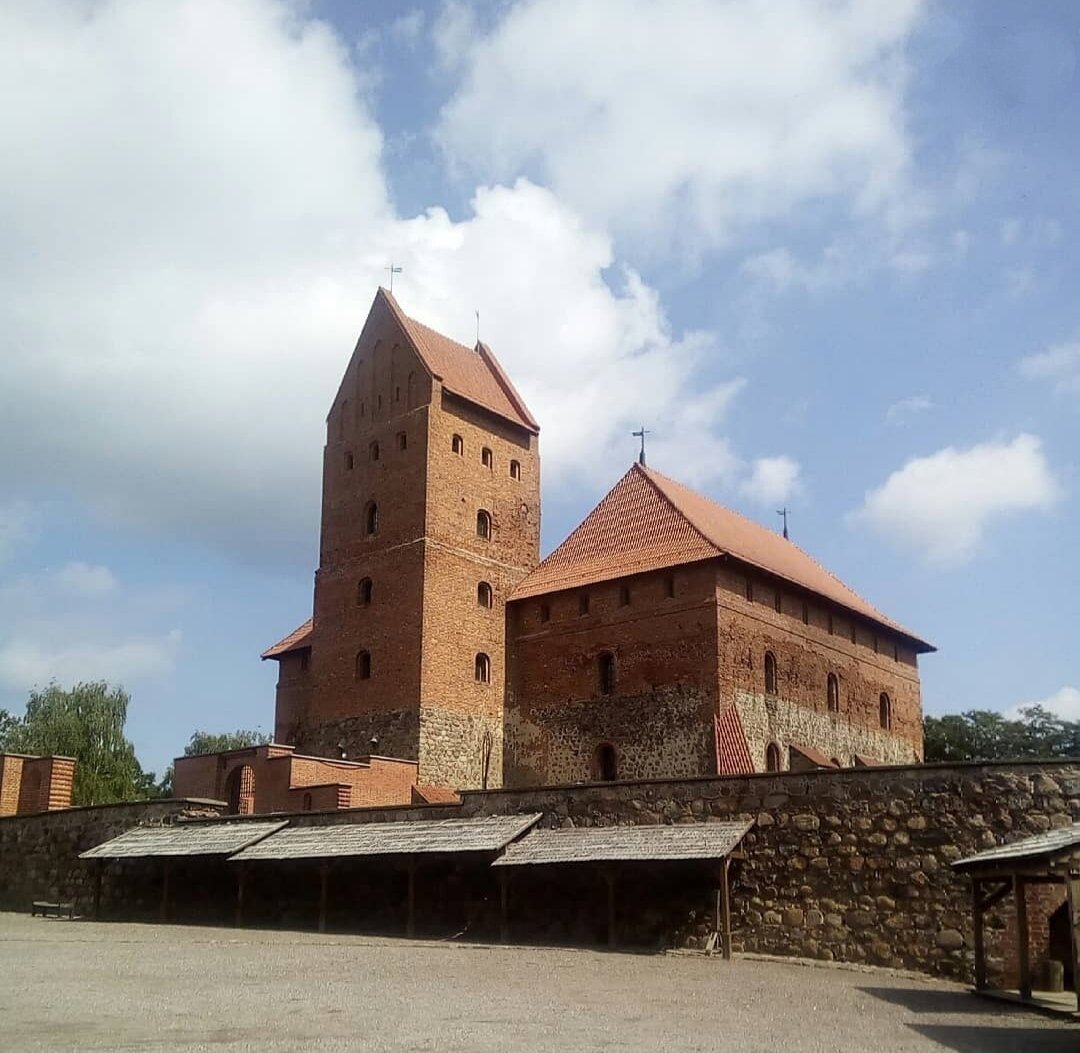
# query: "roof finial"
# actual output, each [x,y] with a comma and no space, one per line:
[393,270]
[478,327]
[641,435]
[783,512]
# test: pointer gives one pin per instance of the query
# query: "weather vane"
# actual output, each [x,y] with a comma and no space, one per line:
[640,434]
[783,512]
[392,270]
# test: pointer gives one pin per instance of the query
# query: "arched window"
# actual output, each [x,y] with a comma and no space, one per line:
[482,669]
[583,603]
[240,790]
[885,711]
[457,445]
[770,673]
[772,757]
[307,802]
[669,586]
[778,602]
[363,593]
[832,693]
[606,762]
[624,595]
[545,612]
[484,594]
[515,469]
[397,393]
[806,614]
[373,451]
[402,440]
[348,461]
[363,665]
[749,590]
[606,669]
[363,408]
[410,391]
[487,458]
[483,525]
[371,518]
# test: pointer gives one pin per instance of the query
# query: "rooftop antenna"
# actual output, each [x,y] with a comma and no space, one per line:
[783,512]
[392,270]
[478,326]
[641,435]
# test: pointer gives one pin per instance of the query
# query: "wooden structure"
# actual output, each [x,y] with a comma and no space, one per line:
[1051,858]
[607,847]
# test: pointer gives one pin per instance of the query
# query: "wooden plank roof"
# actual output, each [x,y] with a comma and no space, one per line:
[183,839]
[1039,848]
[424,837]
[591,844]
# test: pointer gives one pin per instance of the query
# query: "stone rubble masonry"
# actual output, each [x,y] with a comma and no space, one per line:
[681,660]
[276,779]
[424,626]
[34,784]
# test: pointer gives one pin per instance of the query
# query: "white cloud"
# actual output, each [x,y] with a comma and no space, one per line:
[82,579]
[782,270]
[188,265]
[900,412]
[692,120]
[15,518]
[772,480]
[942,505]
[1059,364]
[1065,703]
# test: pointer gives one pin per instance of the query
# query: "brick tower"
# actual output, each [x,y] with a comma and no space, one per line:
[430,517]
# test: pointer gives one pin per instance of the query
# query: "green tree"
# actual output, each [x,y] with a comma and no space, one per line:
[87,723]
[981,734]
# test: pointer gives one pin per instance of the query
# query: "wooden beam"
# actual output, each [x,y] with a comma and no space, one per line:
[410,919]
[1022,949]
[99,868]
[995,895]
[324,880]
[165,890]
[504,901]
[725,907]
[241,880]
[980,935]
[613,935]
[1073,889]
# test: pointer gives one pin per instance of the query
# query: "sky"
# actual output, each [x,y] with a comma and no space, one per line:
[822,250]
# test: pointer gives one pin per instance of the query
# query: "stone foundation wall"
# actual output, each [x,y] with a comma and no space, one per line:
[454,745]
[398,732]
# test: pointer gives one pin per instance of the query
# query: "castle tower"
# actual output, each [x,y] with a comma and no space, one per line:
[430,517]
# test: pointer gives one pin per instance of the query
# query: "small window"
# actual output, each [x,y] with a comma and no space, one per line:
[373,451]
[515,469]
[348,462]
[854,638]
[624,595]
[832,627]
[545,612]
[483,525]
[778,602]
[307,802]
[397,394]
[749,590]
[875,643]
[806,614]
[487,458]
[363,408]
[363,665]
[583,603]
[363,593]
[457,445]
[305,659]
[371,518]
[832,693]
[402,441]
[484,594]
[669,586]
[606,762]
[772,757]
[378,403]
[770,673]
[885,711]
[482,669]
[606,663]
[895,653]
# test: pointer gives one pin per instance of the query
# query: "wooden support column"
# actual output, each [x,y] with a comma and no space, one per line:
[324,880]
[504,902]
[241,880]
[1072,886]
[725,909]
[410,919]
[1022,949]
[613,934]
[165,890]
[979,922]
[99,868]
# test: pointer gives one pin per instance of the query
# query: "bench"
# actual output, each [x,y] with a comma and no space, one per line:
[55,910]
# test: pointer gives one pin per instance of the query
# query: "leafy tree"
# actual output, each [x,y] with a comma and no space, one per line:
[87,723]
[981,734]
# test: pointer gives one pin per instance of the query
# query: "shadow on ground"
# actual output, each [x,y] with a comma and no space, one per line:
[1000,1039]
[929,1000]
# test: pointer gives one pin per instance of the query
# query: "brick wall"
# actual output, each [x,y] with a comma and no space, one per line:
[34,784]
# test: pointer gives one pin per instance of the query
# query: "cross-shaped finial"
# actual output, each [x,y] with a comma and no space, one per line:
[640,434]
[393,270]
[783,512]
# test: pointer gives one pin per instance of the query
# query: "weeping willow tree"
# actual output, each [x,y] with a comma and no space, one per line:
[87,723]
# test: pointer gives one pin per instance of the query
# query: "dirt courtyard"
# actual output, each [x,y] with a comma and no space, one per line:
[87,986]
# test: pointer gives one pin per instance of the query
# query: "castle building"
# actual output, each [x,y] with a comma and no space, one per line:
[667,636]
[30,784]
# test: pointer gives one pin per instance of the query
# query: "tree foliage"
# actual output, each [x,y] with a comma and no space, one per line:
[209,742]
[87,723]
[981,734]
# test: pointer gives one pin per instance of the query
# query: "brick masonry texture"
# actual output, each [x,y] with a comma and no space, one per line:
[34,784]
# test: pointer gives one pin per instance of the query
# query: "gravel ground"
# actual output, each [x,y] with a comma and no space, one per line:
[86,986]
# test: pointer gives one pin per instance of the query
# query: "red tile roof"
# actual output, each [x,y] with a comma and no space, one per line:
[812,755]
[732,753]
[295,641]
[426,794]
[473,374]
[648,522]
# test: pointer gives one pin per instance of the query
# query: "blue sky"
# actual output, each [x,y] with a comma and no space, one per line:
[824,251]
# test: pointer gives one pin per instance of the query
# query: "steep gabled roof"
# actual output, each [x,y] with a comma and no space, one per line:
[648,522]
[472,374]
[298,639]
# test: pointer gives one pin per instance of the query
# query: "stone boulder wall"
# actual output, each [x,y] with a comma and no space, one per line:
[39,853]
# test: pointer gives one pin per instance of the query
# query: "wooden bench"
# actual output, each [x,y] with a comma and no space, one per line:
[55,910]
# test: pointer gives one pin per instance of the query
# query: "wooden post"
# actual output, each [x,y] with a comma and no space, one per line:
[99,867]
[410,919]
[165,890]
[241,878]
[504,899]
[1072,887]
[978,921]
[1022,948]
[612,932]
[725,908]
[324,879]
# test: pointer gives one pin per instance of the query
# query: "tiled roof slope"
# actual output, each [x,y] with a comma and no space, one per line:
[298,638]
[648,522]
[472,374]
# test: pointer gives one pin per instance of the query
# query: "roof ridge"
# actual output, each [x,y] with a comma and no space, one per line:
[644,470]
